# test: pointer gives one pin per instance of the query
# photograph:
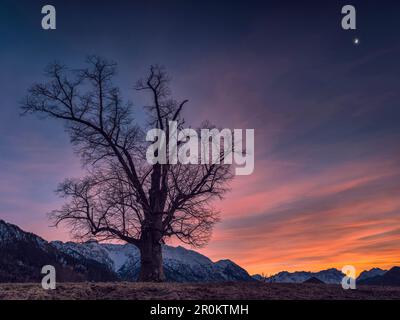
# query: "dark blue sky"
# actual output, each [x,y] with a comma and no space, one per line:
[326,114]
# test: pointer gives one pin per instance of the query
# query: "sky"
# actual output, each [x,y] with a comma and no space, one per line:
[325,190]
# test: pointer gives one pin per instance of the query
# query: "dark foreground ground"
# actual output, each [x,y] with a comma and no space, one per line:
[204,291]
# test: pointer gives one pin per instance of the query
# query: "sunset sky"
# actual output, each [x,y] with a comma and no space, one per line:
[326,187]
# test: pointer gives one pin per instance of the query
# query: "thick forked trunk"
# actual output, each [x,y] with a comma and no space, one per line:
[151,267]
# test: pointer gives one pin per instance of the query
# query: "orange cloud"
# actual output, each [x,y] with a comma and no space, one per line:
[348,214]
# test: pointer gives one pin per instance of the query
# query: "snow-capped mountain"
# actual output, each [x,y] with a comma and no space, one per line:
[329,276]
[370,274]
[23,254]
[180,264]
[112,256]
[388,278]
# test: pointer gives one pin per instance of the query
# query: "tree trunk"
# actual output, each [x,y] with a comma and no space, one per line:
[151,267]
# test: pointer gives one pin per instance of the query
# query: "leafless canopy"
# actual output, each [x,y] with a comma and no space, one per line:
[123,196]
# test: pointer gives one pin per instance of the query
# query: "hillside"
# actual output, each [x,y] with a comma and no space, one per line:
[23,254]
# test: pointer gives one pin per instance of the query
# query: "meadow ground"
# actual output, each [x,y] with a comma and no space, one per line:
[192,291]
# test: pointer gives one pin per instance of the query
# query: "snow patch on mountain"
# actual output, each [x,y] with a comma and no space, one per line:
[114,256]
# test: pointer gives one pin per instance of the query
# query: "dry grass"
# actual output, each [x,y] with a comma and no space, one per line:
[189,291]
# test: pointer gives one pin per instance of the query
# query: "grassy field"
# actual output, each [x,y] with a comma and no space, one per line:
[188,291]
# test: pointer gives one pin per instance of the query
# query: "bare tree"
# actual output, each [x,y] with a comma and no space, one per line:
[122,196]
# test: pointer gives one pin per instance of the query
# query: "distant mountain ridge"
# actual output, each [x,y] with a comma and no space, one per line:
[388,278]
[180,264]
[367,274]
[23,254]
[93,261]
[329,276]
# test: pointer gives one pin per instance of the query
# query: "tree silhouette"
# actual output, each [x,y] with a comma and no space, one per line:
[122,196]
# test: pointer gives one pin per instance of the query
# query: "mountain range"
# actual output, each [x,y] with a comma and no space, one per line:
[388,278]
[23,254]
[329,276]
